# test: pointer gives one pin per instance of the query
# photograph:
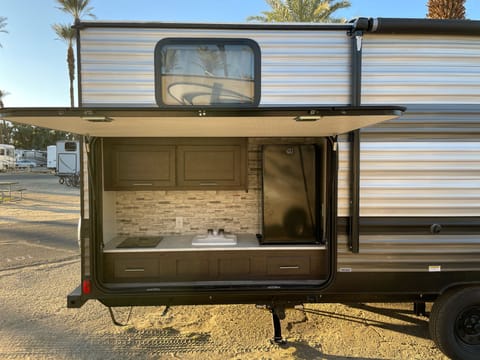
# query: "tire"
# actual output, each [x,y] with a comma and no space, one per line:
[455,323]
[61,180]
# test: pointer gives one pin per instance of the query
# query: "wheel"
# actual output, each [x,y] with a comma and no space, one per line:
[455,323]
[68,181]
[61,180]
[76,180]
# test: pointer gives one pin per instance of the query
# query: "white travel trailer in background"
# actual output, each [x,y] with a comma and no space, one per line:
[37,157]
[68,157]
[281,164]
[52,157]
[7,157]
[68,162]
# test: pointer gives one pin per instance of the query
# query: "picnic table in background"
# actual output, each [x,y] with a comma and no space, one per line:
[9,187]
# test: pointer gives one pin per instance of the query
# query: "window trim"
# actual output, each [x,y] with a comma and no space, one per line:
[209,41]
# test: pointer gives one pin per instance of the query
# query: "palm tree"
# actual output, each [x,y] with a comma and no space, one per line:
[67,33]
[2,95]
[301,11]
[4,133]
[78,9]
[3,23]
[446,9]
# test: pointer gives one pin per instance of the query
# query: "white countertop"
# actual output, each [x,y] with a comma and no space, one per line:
[184,243]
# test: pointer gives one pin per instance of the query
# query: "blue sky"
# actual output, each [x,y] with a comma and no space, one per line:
[33,63]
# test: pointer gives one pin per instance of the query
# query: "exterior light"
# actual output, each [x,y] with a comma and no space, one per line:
[97,118]
[307,118]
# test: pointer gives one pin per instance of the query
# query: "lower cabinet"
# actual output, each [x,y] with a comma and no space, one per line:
[215,266]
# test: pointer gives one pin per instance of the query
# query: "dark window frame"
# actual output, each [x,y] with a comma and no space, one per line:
[70,146]
[208,41]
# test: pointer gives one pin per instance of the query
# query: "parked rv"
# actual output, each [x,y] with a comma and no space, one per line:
[7,157]
[68,162]
[25,164]
[52,157]
[38,157]
[281,164]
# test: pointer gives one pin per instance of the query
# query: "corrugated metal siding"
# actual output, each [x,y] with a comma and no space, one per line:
[426,163]
[402,253]
[298,67]
[420,178]
[413,69]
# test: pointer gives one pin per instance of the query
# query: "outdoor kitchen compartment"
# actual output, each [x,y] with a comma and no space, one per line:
[291,192]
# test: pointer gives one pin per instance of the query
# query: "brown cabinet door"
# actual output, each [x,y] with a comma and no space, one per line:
[138,166]
[215,166]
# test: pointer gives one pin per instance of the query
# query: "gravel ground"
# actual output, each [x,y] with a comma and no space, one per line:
[35,323]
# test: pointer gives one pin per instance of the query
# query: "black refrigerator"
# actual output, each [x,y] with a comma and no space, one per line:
[290,194]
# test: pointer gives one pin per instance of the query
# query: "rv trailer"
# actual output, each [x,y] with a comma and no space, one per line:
[37,157]
[7,157]
[67,164]
[52,157]
[280,164]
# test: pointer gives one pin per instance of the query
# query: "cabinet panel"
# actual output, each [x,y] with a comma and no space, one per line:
[136,268]
[153,164]
[288,265]
[257,265]
[212,166]
[137,166]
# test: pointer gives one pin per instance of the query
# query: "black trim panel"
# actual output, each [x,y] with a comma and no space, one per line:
[413,225]
[424,26]
[348,287]
[213,26]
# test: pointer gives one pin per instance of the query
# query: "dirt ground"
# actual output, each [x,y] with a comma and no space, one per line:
[35,323]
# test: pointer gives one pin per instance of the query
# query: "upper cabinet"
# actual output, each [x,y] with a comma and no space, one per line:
[138,165]
[218,166]
[168,164]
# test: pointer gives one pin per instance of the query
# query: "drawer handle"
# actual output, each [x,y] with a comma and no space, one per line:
[135,270]
[143,184]
[289,267]
[208,184]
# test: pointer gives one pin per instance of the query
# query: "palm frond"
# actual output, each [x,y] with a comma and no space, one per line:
[3,23]
[446,9]
[64,32]
[301,11]
[77,8]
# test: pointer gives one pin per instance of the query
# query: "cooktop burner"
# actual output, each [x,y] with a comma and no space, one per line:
[140,242]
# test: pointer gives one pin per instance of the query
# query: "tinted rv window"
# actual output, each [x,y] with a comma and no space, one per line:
[211,72]
[70,146]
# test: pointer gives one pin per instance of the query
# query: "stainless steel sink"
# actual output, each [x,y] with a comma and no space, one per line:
[214,240]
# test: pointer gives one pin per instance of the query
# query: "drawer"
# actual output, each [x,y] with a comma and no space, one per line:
[135,268]
[288,265]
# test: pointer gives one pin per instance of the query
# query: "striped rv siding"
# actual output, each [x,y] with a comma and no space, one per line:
[298,67]
[420,69]
[425,164]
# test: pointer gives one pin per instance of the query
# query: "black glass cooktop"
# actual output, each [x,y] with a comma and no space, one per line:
[140,242]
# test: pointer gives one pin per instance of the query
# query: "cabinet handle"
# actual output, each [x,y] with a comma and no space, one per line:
[289,267]
[208,184]
[143,184]
[135,270]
